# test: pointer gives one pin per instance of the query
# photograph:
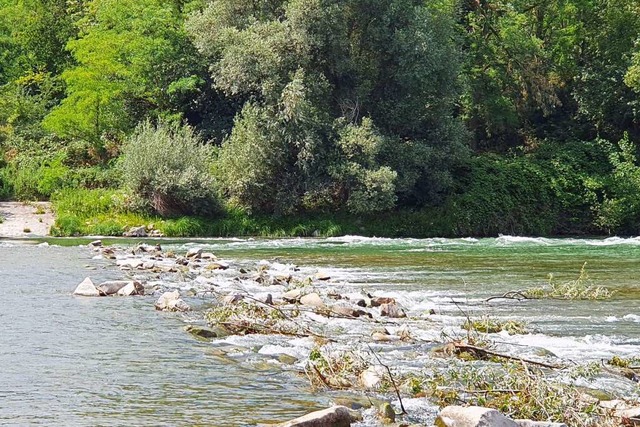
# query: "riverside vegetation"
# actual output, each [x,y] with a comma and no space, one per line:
[359,344]
[411,118]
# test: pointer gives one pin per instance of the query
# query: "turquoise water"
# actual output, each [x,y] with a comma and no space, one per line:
[71,361]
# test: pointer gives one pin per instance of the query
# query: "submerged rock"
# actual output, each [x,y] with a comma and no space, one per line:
[171,301]
[111,287]
[387,413]
[87,289]
[336,416]
[201,332]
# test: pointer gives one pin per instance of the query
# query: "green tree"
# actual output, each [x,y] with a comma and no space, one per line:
[308,74]
[133,60]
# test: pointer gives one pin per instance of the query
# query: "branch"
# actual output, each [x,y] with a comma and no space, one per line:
[393,382]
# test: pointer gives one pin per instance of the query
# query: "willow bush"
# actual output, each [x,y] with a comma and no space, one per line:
[167,167]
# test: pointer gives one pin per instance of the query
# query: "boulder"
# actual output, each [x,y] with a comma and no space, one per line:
[336,416]
[132,288]
[171,301]
[194,253]
[312,300]
[322,276]
[217,265]
[292,296]
[111,287]
[472,416]
[87,289]
[392,310]
[96,243]
[136,232]
[378,301]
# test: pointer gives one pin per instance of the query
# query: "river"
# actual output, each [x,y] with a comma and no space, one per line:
[115,361]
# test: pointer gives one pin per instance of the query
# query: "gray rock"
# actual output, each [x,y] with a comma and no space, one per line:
[473,416]
[171,301]
[96,243]
[312,300]
[392,310]
[292,295]
[322,276]
[87,289]
[194,253]
[529,423]
[136,232]
[378,301]
[111,287]
[130,263]
[336,416]
[132,288]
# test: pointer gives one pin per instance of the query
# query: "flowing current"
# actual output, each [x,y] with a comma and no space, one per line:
[115,361]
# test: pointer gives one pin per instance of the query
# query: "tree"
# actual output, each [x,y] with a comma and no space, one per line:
[311,75]
[133,60]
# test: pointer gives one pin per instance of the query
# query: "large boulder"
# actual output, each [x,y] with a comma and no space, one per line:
[87,289]
[472,416]
[336,416]
[171,301]
[136,232]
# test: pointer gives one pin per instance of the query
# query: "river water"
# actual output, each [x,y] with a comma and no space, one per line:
[115,361]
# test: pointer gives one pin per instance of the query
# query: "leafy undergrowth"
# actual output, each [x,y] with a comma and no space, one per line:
[582,288]
[520,391]
[491,326]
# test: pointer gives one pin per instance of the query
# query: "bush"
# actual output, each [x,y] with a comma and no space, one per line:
[168,167]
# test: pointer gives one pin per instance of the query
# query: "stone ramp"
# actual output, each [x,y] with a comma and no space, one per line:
[25,219]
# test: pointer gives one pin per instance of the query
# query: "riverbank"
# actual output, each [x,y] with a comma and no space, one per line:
[25,219]
[318,324]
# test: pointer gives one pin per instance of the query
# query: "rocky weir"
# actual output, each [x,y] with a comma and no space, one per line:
[386,362]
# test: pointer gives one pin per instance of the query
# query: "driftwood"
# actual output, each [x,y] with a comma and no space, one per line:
[483,352]
[393,382]
[517,295]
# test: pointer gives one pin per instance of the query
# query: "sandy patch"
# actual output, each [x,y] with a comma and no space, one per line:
[25,219]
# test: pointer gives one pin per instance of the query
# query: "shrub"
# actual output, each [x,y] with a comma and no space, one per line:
[168,166]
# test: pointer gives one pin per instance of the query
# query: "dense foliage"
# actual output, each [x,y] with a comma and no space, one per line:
[447,117]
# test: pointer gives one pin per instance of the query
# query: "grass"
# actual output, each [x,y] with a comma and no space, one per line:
[492,326]
[103,212]
[581,288]
[518,391]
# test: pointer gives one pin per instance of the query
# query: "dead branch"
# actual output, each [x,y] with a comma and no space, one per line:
[393,382]
[483,352]
[517,295]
